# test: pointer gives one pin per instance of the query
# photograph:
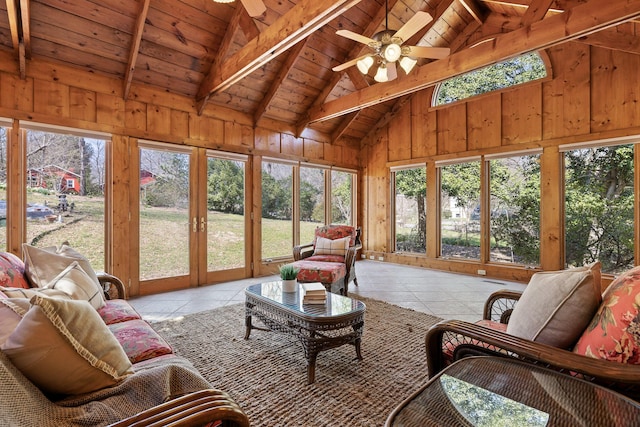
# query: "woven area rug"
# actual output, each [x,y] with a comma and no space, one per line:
[267,376]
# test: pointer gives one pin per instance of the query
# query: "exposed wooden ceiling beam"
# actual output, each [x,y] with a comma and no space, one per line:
[536,12]
[248,25]
[16,19]
[14,23]
[25,15]
[292,58]
[344,125]
[474,10]
[584,19]
[295,25]
[611,39]
[136,39]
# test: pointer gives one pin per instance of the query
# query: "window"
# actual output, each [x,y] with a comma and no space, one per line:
[599,207]
[53,213]
[342,193]
[70,184]
[515,209]
[410,209]
[460,210]
[312,201]
[277,215]
[3,188]
[498,76]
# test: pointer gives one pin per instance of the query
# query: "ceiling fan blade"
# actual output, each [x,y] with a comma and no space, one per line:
[356,37]
[428,52]
[413,25]
[392,71]
[254,7]
[348,63]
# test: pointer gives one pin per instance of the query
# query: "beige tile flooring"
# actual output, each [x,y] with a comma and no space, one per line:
[446,295]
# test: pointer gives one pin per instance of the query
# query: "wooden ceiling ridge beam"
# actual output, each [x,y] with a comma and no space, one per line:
[136,40]
[583,19]
[285,69]
[295,25]
[609,38]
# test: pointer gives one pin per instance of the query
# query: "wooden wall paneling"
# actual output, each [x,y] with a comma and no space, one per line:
[179,124]
[267,140]
[16,93]
[239,135]
[351,157]
[380,196]
[522,121]
[16,190]
[551,210]
[159,119]
[292,145]
[82,104]
[400,135]
[423,125]
[433,210]
[135,115]
[565,98]
[452,129]
[51,98]
[483,121]
[204,128]
[333,153]
[312,149]
[614,90]
[110,110]
[122,232]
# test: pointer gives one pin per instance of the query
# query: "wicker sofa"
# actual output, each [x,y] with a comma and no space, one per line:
[154,385]
[606,349]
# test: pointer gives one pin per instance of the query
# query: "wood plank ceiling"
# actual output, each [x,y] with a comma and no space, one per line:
[278,66]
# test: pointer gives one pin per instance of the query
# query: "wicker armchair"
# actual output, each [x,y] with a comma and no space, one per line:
[452,340]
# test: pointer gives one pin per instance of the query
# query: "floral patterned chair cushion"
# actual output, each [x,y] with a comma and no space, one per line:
[614,331]
[139,341]
[317,271]
[116,311]
[12,271]
[450,346]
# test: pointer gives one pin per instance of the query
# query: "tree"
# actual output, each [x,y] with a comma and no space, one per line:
[276,196]
[462,182]
[341,197]
[171,188]
[412,183]
[226,186]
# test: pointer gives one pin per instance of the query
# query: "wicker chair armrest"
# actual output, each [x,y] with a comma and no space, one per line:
[500,304]
[620,377]
[195,409]
[111,285]
[302,251]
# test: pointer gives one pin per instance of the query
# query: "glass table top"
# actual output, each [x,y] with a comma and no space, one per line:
[336,305]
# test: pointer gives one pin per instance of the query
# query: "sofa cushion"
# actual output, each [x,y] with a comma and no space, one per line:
[449,347]
[64,347]
[336,247]
[556,306]
[42,265]
[12,271]
[78,285]
[316,271]
[614,331]
[11,312]
[117,310]
[31,292]
[139,341]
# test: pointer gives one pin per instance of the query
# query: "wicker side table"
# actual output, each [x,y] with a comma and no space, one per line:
[319,327]
[492,390]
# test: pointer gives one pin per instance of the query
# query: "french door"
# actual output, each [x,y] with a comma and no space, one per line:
[192,217]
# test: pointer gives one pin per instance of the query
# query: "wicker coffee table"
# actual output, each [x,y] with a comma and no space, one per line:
[488,391]
[319,327]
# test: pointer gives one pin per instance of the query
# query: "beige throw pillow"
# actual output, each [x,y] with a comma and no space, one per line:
[11,312]
[64,347]
[43,265]
[76,283]
[31,292]
[556,306]
[331,247]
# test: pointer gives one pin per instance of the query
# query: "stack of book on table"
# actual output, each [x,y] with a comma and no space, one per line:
[313,293]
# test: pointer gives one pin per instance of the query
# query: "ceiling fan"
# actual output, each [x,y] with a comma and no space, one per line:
[254,8]
[387,49]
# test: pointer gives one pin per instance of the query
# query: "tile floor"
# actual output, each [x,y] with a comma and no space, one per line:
[446,295]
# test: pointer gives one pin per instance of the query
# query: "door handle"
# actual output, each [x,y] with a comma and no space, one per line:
[195,224]
[202,224]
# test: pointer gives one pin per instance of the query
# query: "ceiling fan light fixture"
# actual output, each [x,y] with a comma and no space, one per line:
[381,75]
[223,1]
[407,64]
[365,64]
[391,52]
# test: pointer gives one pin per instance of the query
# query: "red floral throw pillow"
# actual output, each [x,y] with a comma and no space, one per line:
[12,271]
[614,332]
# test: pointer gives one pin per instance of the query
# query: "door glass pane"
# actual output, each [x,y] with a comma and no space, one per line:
[164,213]
[460,214]
[3,189]
[65,192]
[277,222]
[311,202]
[515,210]
[225,214]
[599,207]
[411,210]
[341,197]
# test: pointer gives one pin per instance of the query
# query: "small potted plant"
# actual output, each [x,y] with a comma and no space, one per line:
[288,274]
